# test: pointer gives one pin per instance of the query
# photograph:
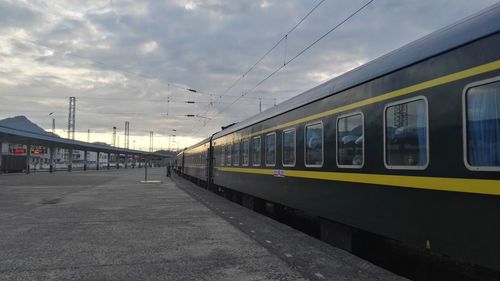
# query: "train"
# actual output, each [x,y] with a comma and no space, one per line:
[406,146]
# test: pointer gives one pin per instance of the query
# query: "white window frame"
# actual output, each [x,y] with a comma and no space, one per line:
[337,139]
[294,146]
[238,144]
[403,167]
[260,142]
[229,148]
[464,125]
[265,150]
[322,144]
[223,153]
[248,156]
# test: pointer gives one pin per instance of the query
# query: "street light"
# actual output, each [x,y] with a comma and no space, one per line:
[53,123]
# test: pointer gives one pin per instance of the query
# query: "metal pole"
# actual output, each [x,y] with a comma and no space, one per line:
[146,172]
[71,118]
[85,160]
[117,155]
[109,159]
[98,161]
[28,158]
[70,160]
[51,160]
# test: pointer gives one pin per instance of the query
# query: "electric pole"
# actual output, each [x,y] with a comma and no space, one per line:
[150,141]
[71,118]
[114,136]
[127,134]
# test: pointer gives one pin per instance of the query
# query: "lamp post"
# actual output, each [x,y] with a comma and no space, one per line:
[53,123]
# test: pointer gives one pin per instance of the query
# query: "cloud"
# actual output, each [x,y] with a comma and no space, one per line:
[148,47]
[129,60]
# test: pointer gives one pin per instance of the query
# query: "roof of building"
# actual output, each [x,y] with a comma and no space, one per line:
[21,130]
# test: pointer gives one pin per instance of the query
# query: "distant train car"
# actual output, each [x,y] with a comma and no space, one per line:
[196,161]
[406,146]
[179,162]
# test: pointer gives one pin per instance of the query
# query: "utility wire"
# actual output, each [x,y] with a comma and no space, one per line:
[284,37]
[296,56]
[273,47]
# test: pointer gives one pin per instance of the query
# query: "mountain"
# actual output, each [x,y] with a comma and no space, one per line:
[23,123]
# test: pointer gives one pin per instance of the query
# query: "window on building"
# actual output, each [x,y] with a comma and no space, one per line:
[350,141]
[246,148]
[482,115]
[256,151]
[289,151]
[236,153]
[270,149]
[314,145]
[406,134]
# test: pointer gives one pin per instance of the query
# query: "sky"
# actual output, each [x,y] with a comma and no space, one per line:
[135,60]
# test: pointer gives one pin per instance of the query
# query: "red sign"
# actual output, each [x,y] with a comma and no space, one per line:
[17,150]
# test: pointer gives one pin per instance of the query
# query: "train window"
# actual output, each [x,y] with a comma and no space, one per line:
[406,137]
[228,155]
[289,144]
[222,155]
[256,151]
[314,145]
[236,153]
[270,149]
[246,148]
[350,141]
[482,125]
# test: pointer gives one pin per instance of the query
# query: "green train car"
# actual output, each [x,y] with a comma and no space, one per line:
[406,146]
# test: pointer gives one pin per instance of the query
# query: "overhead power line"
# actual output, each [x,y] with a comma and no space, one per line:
[283,38]
[272,48]
[295,57]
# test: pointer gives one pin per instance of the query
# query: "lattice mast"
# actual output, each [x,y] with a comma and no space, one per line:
[71,118]
[127,134]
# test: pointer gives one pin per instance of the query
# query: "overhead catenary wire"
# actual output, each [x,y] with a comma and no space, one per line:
[283,38]
[272,48]
[295,57]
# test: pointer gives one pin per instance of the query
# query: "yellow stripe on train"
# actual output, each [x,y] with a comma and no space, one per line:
[479,186]
[494,65]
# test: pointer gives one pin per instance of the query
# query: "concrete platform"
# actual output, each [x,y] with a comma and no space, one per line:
[105,225]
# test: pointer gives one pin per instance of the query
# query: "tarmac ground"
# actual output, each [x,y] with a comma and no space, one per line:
[106,225]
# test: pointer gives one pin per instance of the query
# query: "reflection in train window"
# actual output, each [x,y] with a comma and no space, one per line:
[406,135]
[271,149]
[483,126]
[256,151]
[246,148]
[314,145]
[236,153]
[222,155]
[228,155]
[350,141]
[289,144]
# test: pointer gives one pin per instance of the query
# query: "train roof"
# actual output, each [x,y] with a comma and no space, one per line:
[479,25]
[206,140]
